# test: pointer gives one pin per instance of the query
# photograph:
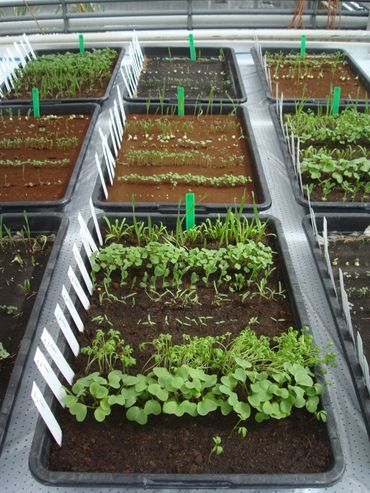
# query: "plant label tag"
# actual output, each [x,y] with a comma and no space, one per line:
[20,54]
[46,414]
[30,49]
[115,129]
[66,329]
[86,246]
[112,133]
[345,306]
[57,356]
[4,76]
[83,270]
[101,176]
[26,52]
[96,224]
[360,351]
[118,120]
[78,288]
[49,376]
[122,111]
[128,88]
[128,70]
[366,374]
[72,309]
[108,162]
[90,239]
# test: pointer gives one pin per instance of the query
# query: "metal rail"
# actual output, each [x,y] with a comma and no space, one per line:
[65,16]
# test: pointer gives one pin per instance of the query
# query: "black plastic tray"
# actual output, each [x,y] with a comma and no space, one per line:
[316,205]
[39,223]
[98,99]
[42,439]
[347,223]
[356,69]
[259,179]
[232,64]
[53,109]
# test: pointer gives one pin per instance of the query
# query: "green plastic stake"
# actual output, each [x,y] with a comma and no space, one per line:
[303,45]
[193,55]
[180,101]
[36,102]
[189,210]
[336,101]
[82,43]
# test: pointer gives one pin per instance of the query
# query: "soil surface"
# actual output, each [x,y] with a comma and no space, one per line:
[168,445]
[319,87]
[352,254]
[161,76]
[42,153]
[18,263]
[207,145]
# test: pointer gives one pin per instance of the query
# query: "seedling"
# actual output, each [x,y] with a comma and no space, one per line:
[217,448]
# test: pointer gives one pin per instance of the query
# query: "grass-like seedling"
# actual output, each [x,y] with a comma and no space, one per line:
[66,75]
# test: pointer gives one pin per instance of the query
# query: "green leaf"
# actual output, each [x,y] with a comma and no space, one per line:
[114,379]
[156,390]
[170,407]
[243,410]
[206,406]
[240,374]
[312,403]
[225,408]
[152,407]
[116,399]
[100,414]
[189,408]
[98,390]
[137,414]
[260,417]
[302,377]
[79,410]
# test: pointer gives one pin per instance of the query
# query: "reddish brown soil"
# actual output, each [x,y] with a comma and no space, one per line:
[352,255]
[171,445]
[319,87]
[39,183]
[12,326]
[225,144]
[168,445]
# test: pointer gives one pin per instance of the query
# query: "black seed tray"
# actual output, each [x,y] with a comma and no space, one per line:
[356,69]
[42,439]
[60,109]
[233,73]
[39,223]
[347,223]
[97,99]
[258,177]
[319,206]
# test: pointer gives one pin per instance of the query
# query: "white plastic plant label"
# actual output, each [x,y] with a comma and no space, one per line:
[20,54]
[86,245]
[29,46]
[125,81]
[49,376]
[72,309]
[46,414]
[360,351]
[57,356]
[66,329]
[90,239]
[366,374]
[118,120]
[113,136]
[26,52]
[83,270]
[122,111]
[78,288]
[4,76]
[96,224]
[101,176]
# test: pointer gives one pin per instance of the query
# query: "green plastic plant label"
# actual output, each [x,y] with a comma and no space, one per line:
[303,45]
[336,101]
[36,102]
[189,210]
[193,56]
[82,43]
[180,101]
